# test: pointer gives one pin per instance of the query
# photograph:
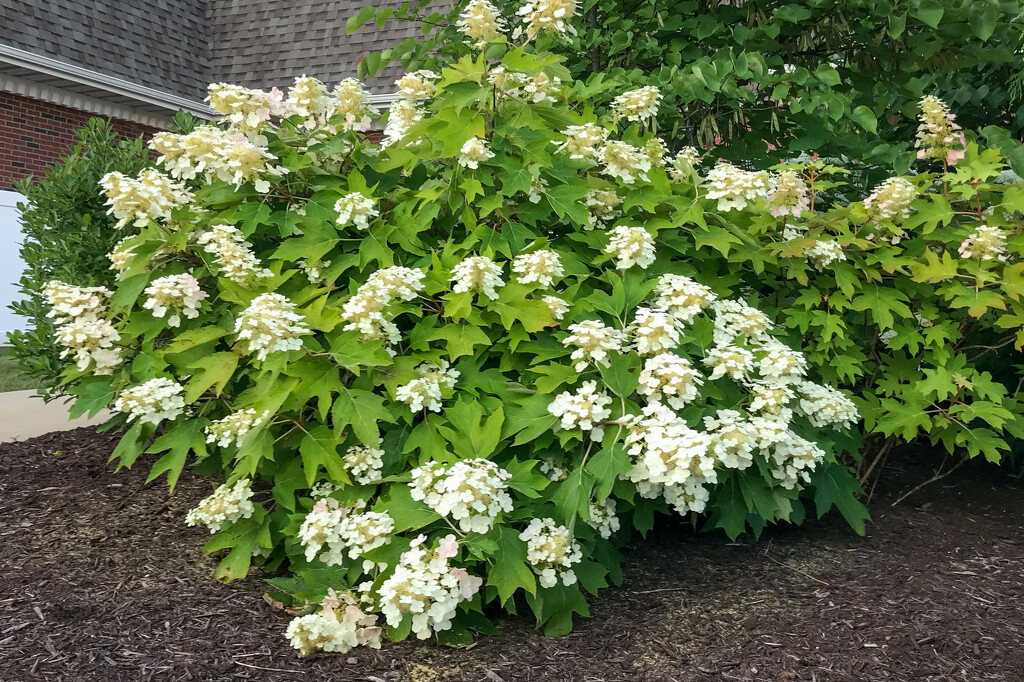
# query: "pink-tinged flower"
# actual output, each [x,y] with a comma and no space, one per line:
[448,547]
[938,137]
[468,584]
[330,602]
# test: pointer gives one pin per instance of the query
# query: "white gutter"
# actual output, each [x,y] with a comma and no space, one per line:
[383,100]
[102,81]
[76,100]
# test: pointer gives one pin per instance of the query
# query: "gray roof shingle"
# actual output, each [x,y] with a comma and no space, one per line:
[162,44]
[180,46]
[263,43]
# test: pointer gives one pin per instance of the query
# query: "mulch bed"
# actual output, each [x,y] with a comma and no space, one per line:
[100,579]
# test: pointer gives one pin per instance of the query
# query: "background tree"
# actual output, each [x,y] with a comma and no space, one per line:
[769,79]
[68,235]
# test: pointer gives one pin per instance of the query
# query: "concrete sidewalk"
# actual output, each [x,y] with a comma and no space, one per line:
[22,416]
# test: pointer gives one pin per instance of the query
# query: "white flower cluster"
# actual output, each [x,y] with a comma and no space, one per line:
[474,152]
[770,397]
[477,273]
[153,401]
[602,205]
[552,470]
[481,22]
[90,339]
[179,294]
[542,267]
[631,246]
[669,458]
[557,306]
[826,406]
[985,243]
[585,409]
[824,253]
[891,200]
[314,271]
[593,340]
[682,297]
[684,164]
[227,504]
[151,196]
[656,150]
[234,427]
[540,88]
[732,361]
[425,586]
[234,254]
[507,83]
[361,532]
[938,137]
[788,195]
[538,189]
[364,463]
[365,310]
[541,16]
[640,105]
[551,550]
[733,439]
[338,627]
[243,108]
[425,392]
[322,489]
[793,459]
[624,161]
[402,115]
[779,364]
[350,102]
[306,97]
[270,325]
[654,331]
[583,141]
[603,518]
[335,533]
[417,86]
[670,377]
[737,320]
[472,491]
[81,328]
[734,188]
[309,99]
[120,255]
[356,209]
[218,154]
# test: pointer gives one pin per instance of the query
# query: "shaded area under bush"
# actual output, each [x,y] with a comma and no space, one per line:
[103,581]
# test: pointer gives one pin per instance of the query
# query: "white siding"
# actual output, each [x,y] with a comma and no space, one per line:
[11,265]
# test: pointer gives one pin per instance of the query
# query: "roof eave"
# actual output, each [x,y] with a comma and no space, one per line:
[102,82]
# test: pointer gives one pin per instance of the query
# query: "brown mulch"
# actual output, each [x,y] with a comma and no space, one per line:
[101,580]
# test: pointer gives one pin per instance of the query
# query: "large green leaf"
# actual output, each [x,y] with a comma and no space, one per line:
[835,486]
[512,572]
[362,410]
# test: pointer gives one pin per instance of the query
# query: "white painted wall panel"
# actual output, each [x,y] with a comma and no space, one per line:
[11,265]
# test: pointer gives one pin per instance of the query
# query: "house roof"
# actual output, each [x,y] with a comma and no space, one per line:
[159,44]
[265,43]
[178,47]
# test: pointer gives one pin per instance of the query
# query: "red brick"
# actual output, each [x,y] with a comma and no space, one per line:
[49,128]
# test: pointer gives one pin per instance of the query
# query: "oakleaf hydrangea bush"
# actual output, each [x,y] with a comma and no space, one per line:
[911,296]
[453,371]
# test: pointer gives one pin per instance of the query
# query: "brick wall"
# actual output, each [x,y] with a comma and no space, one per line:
[34,134]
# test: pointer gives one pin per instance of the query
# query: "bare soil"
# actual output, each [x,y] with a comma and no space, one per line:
[100,580]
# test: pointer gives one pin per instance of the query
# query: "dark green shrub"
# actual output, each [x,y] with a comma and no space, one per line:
[68,235]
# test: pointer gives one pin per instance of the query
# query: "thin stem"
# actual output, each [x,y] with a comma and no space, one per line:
[938,476]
